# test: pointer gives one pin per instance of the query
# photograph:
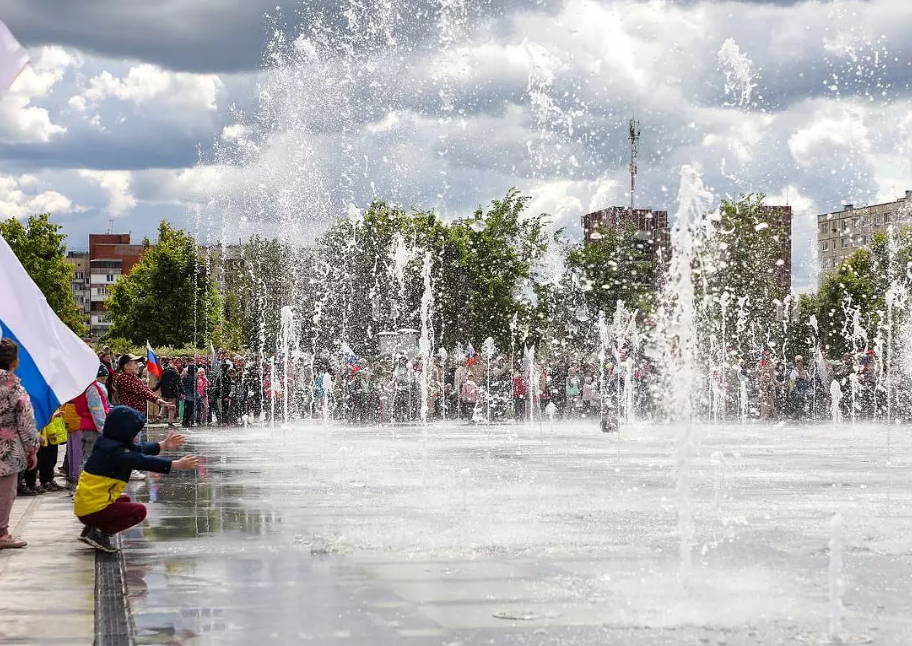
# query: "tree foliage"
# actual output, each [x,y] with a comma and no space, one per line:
[41,249]
[617,267]
[740,276]
[365,276]
[169,298]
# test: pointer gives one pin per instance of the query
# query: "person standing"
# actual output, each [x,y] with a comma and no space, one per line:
[41,479]
[107,361]
[131,391]
[18,437]
[469,396]
[92,406]
[519,396]
[188,384]
[202,395]
[170,390]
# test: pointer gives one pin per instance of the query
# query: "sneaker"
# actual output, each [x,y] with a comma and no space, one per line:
[40,490]
[84,534]
[99,540]
[22,490]
[53,486]
[11,542]
[137,475]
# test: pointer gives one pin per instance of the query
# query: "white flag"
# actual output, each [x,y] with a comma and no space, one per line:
[13,59]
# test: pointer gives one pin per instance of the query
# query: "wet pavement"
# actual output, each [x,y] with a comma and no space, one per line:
[458,535]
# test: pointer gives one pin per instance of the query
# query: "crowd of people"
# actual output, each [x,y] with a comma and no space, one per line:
[228,389]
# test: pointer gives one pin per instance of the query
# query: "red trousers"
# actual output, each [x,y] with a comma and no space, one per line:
[116,517]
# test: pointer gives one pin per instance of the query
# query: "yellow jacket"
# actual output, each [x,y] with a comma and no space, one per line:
[55,432]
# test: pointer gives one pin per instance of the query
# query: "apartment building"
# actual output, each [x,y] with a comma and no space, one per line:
[840,233]
[110,256]
[79,283]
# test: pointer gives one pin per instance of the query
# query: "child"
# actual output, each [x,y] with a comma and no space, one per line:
[573,392]
[99,504]
[588,395]
[519,397]
[469,396]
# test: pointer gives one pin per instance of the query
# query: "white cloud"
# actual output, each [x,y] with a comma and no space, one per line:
[835,131]
[117,184]
[17,201]
[153,92]
[20,120]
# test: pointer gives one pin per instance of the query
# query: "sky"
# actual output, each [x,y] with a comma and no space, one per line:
[234,117]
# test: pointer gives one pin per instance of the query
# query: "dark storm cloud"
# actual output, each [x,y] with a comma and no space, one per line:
[210,35]
[130,151]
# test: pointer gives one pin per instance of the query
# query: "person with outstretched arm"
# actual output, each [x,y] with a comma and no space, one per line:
[99,503]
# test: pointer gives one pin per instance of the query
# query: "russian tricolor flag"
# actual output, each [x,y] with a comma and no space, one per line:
[55,365]
[152,364]
[471,356]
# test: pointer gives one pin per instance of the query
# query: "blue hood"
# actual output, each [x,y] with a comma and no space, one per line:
[123,424]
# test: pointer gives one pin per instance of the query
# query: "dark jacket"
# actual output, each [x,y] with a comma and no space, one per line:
[170,383]
[115,455]
[188,382]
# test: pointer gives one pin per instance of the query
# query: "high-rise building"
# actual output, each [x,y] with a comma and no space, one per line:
[840,233]
[110,256]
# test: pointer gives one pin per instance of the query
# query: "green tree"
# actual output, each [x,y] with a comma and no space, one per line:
[169,298]
[740,274]
[41,249]
[616,267]
[857,285]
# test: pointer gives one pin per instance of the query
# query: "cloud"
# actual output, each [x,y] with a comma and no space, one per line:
[20,120]
[153,91]
[20,197]
[117,184]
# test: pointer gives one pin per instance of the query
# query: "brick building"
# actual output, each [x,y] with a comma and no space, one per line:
[651,226]
[110,256]
[781,217]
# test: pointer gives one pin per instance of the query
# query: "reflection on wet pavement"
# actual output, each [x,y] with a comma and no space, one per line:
[359,536]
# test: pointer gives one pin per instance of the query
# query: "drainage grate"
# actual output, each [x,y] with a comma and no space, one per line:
[113,623]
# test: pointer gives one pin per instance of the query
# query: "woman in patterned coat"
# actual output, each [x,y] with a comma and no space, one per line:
[18,437]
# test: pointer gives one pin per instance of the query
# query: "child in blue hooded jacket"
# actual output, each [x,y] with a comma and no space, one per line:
[99,502]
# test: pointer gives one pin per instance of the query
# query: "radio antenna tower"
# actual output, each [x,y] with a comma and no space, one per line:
[634,154]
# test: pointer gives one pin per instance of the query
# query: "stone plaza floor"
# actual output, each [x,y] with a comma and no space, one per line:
[465,535]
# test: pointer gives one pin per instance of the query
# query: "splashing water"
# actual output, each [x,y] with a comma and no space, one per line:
[738,70]
[677,331]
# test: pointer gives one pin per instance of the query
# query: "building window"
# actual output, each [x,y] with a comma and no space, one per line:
[825,246]
[823,229]
[877,220]
[845,243]
[845,224]
[110,278]
[862,241]
[886,218]
[80,275]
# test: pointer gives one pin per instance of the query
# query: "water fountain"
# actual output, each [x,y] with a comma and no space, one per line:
[507,484]
[677,333]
